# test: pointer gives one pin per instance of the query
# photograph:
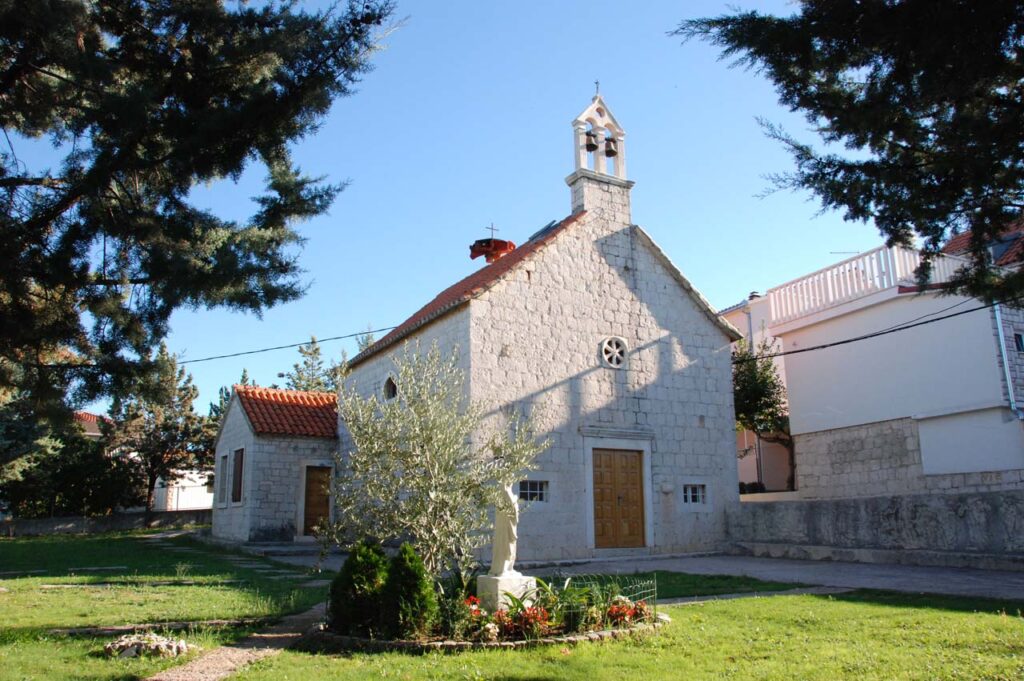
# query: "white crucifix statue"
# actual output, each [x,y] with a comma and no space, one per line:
[503,578]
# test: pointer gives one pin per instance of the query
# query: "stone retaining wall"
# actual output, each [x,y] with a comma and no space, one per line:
[882,458]
[27,527]
[974,523]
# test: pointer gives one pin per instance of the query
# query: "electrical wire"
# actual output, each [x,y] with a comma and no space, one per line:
[285,347]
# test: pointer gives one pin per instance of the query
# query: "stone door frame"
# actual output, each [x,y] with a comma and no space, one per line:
[300,508]
[638,443]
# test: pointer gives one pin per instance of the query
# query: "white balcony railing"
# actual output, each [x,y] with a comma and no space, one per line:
[854,278]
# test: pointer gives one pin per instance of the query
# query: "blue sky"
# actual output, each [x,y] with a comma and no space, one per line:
[465,121]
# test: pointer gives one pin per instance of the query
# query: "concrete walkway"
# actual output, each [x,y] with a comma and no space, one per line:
[907,578]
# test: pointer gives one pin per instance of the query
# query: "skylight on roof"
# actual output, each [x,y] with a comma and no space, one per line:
[544,230]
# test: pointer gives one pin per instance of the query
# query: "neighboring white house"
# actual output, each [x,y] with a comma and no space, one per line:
[932,407]
[591,321]
[275,457]
[192,491]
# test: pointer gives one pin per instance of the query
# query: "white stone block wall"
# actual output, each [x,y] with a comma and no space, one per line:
[536,338]
[450,332]
[231,521]
[879,459]
[278,483]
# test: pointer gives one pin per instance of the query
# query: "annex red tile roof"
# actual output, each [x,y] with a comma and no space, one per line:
[272,411]
[462,292]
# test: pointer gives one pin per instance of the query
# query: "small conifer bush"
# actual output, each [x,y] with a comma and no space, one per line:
[354,604]
[410,604]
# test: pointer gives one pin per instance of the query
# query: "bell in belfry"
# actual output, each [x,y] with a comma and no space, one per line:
[611,147]
[591,140]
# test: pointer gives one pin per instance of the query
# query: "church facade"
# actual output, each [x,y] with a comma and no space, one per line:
[627,367]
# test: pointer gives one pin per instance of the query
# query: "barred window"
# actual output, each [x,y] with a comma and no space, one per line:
[695,494]
[533,490]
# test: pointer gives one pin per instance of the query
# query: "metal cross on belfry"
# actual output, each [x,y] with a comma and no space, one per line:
[597,87]
[492,229]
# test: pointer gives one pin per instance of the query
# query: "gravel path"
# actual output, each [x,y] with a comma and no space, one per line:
[220,663]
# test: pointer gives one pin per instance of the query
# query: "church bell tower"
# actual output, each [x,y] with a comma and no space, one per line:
[599,181]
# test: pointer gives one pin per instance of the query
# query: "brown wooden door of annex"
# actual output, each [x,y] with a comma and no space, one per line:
[618,499]
[318,500]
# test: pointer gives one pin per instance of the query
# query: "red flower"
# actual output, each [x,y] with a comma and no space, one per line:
[472,601]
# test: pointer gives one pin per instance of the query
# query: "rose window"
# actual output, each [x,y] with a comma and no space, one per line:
[613,352]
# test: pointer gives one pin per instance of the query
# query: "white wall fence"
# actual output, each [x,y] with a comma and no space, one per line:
[853,278]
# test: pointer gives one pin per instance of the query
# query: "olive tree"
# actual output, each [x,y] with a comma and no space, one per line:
[426,466]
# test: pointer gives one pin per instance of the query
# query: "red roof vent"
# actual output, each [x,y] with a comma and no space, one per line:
[492,249]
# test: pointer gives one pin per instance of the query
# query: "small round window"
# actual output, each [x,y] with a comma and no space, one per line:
[390,389]
[613,352]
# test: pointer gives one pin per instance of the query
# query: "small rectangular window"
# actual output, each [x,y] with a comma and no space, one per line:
[533,490]
[222,480]
[695,494]
[1018,340]
[236,475]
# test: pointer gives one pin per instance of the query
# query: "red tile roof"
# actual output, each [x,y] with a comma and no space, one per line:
[960,243]
[90,422]
[272,411]
[465,290]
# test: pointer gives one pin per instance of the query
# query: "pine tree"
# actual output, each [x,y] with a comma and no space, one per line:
[144,99]
[365,340]
[926,98]
[218,408]
[157,427]
[310,373]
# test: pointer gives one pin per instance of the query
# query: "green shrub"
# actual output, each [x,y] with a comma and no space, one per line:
[354,604]
[410,604]
[454,616]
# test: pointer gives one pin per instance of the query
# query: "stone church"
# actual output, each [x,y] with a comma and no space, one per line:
[589,319]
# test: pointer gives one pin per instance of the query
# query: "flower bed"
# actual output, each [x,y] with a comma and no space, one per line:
[321,640]
[582,608]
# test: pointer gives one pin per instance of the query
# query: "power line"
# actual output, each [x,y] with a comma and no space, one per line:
[285,347]
[868,336]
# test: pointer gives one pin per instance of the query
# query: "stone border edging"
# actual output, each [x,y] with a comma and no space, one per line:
[318,639]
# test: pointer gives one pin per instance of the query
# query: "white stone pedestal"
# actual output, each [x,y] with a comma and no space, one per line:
[491,590]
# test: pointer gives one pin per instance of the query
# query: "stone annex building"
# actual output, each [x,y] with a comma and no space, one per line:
[588,319]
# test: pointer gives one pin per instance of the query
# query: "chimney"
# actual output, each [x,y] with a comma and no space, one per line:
[492,249]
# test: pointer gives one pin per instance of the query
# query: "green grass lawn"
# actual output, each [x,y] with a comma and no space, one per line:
[29,651]
[862,635]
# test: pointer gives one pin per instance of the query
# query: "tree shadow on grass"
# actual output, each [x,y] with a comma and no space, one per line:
[926,601]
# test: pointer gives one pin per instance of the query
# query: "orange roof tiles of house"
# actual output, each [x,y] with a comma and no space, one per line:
[90,422]
[272,411]
[961,242]
[463,291]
